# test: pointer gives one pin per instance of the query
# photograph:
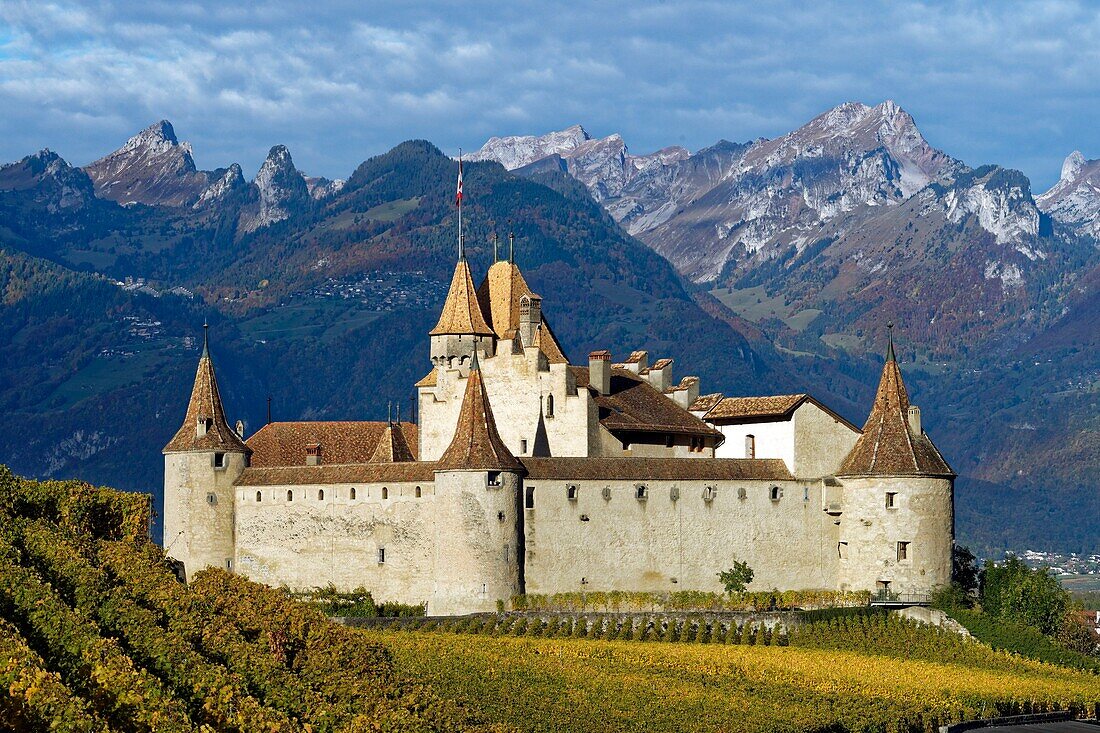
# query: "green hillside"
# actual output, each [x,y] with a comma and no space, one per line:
[96,634]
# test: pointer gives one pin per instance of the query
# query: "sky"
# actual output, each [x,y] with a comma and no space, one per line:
[1013,83]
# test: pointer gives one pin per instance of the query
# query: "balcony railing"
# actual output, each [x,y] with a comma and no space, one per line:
[886,598]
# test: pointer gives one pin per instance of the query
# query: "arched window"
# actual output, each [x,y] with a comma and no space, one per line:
[549,405]
[259,496]
[419,492]
[385,493]
[750,446]
[320,494]
[352,492]
[290,496]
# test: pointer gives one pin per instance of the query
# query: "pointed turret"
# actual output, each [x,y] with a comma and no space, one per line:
[205,428]
[476,444]
[893,443]
[461,314]
[392,446]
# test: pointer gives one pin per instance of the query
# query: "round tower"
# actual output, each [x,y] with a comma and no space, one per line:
[461,330]
[201,464]
[898,523]
[478,522]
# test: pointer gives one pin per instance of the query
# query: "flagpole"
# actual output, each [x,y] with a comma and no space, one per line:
[461,249]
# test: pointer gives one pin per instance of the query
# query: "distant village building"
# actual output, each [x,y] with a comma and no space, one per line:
[527,473]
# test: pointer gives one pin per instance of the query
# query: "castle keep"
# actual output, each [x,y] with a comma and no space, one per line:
[527,473]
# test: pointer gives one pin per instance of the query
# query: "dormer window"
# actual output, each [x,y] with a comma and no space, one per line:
[202,426]
[313,454]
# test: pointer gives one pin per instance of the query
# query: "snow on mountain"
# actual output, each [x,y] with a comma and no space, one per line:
[517,151]
[1075,199]
[153,167]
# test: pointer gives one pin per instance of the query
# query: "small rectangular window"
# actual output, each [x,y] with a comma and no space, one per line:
[228,563]
[571,492]
[842,550]
[211,497]
[529,497]
[523,446]
[775,493]
[641,492]
[805,493]
[219,460]
[381,555]
[891,500]
[903,551]
[494,478]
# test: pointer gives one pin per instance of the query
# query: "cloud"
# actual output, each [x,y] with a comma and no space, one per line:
[1012,83]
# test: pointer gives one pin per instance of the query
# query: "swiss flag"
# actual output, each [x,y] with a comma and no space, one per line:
[458,196]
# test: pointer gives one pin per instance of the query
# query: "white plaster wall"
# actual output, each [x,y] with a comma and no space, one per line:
[310,542]
[924,517]
[476,548]
[821,442]
[773,440]
[514,384]
[197,532]
[633,545]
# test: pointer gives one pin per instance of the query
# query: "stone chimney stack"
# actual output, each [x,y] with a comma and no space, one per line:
[530,316]
[638,361]
[914,420]
[660,375]
[599,371]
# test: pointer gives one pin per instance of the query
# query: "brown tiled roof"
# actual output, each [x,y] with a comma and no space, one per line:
[429,379]
[461,311]
[359,473]
[703,403]
[476,443]
[685,383]
[284,443]
[206,402]
[635,405]
[548,344]
[392,447]
[663,469]
[888,447]
[756,409]
[499,296]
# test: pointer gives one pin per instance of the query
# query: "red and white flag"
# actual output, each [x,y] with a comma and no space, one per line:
[458,196]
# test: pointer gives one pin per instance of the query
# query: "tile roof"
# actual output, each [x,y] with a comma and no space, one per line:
[685,383]
[284,443]
[741,407]
[476,443]
[548,344]
[392,447]
[661,469]
[461,312]
[703,403]
[499,296]
[429,379]
[206,402]
[356,473]
[888,447]
[635,405]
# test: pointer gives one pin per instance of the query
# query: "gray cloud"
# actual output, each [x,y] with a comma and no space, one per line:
[1013,83]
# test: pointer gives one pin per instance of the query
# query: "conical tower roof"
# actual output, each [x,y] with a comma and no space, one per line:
[889,446]
[461,311]
[206,404]
[476,443]
[392,446]
[499,296]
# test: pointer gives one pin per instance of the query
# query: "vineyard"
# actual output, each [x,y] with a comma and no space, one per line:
[857,671]
[96,634]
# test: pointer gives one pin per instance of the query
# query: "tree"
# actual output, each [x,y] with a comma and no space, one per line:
[965,572]
[736,578]
[1014,591]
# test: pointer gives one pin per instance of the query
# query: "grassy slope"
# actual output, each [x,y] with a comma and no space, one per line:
[577,686]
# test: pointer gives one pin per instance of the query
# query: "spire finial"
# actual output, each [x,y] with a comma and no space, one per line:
[458,203]
[205,338]
[475,365]
[398,413]
[512,247]
[495,255]
[389,412]
[890,339]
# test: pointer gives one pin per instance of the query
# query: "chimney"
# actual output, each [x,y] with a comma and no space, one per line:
[914,420]
[660,375]
[638,361]
[313,454]
[687,392]
[240,428]
[530,316]
[599,371]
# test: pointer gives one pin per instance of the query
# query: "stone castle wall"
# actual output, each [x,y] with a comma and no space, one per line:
[199,509]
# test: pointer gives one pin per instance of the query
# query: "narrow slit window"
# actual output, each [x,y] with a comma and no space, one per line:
[550,405]
[523,446]
[352,492]
[381,555]
[750,446]
[891,500]
[385,492]
[320,494]
[290,496]
[529,498]
[259,496]
[418,492]
[571,492]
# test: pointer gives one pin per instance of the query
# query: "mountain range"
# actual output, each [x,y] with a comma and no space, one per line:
[764,267]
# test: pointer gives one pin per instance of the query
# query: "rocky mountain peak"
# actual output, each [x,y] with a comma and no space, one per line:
[280,187]
[50,180]
[516,151]
[152,167]
[1073,163]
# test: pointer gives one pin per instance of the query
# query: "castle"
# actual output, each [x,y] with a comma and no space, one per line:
[527,473]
